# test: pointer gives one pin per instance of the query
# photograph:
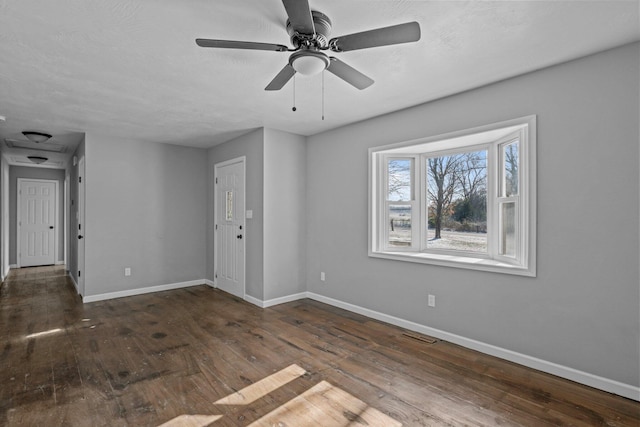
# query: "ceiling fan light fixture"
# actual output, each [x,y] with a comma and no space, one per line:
[309,32]
[36,137]
[309,63]
[37,159]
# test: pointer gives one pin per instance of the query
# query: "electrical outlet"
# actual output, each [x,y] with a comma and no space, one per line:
[431,300]
[127,271]
[322,276]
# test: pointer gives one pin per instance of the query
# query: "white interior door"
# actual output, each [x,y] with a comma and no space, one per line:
[36,222]
[230,229]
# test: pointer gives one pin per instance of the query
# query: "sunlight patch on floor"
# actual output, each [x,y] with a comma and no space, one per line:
[192,421]
[328,406]
[43,333]
[263,387]
[322,405]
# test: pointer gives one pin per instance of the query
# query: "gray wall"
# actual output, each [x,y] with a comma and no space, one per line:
[250,145]
[284,214]
[16,172]
[276,193]
[145,209]
[582,310]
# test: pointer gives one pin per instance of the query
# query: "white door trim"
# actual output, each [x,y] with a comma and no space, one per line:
[55,217]
[65,220]
[80,243]
[243,161]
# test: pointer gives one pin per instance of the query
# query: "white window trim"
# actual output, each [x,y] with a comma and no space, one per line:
[492,134]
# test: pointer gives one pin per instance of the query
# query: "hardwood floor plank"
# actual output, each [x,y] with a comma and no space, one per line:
[479,394]
[136,407]
[375,396]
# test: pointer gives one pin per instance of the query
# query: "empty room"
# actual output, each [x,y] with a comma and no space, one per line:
[320,213]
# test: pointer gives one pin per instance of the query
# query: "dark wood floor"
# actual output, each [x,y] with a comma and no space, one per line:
[146,360]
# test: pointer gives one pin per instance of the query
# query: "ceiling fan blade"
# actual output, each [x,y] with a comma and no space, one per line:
[300,16]
[281,79]
[349,74]
[234,44]
[395,34]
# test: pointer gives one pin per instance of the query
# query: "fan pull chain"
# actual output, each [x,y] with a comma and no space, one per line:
[322,94]
[294,93]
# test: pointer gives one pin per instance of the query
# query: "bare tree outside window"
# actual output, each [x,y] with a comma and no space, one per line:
[399,176]
[511,169]
[443,182]
[457,201]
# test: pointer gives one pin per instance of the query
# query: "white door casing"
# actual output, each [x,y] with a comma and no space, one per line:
[81,228]
[36,242]
[230,229]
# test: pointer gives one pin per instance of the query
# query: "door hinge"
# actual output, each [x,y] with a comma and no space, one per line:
[79,273]
[216,180]
[216,226]
[80,179]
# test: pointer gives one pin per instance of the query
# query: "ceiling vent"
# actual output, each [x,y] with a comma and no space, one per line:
[23,160]
[50,147]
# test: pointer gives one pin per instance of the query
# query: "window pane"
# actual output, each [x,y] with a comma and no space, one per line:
[508,229]
[510,157]
[457,202]
[399,226]
[399,173]
[229,206]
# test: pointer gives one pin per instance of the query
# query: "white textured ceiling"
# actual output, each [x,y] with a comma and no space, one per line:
[131,69]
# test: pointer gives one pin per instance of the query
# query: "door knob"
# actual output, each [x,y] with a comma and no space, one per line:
[80,237]
[239,236]
[51,227]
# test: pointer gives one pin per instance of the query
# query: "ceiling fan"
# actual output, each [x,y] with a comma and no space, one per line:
[309,32]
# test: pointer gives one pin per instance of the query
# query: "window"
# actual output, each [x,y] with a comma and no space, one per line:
[465,199]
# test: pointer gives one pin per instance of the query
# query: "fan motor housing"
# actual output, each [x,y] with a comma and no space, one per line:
[322,24]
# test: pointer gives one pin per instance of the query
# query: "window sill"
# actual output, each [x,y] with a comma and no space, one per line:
[481,264]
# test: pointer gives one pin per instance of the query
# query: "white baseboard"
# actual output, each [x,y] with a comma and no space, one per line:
[210,283]
[254,301]
[13,266]
[59,263]
[611,386]
[140,291]
[275,301]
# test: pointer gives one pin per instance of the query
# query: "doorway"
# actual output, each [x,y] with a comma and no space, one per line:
[37,238]
[229,228]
